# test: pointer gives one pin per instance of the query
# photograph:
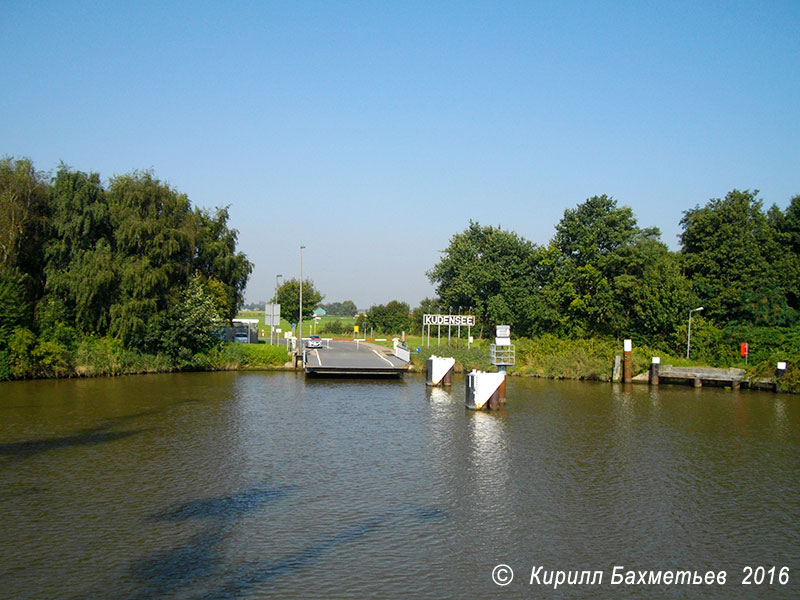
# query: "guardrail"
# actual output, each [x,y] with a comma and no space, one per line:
[402,353]
[503,355]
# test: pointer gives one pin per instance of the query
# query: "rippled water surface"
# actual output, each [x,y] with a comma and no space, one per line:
[268,485]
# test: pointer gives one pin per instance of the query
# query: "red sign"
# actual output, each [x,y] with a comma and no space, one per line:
[744,348]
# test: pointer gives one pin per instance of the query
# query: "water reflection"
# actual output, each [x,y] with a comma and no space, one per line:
[489,456]
[439,395]
[274,486]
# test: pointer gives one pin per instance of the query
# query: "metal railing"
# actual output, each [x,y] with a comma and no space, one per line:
[503,356]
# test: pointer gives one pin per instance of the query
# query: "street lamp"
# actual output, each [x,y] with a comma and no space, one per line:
[272,318]
[689,336]
[300,335]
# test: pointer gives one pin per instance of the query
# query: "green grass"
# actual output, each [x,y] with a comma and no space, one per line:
[234,356]
[309,326]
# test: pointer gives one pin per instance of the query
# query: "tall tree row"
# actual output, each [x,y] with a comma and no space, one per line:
[603,275]
[131,260]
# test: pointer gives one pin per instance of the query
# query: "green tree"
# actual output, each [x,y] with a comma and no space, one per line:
[152,226]
[80,267]
[607,276]
[493,271]
[787,228]
[393,317]
[191,324]
[427,306]
[288,297]
[788,223]
[597,231]
[738,262]
[15,303]
[215,257]
[24,209]
[341,309]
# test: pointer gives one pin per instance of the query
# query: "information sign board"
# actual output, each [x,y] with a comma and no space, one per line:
[454,320]
[272,315]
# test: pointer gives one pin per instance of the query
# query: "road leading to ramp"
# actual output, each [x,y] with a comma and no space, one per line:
[351,358]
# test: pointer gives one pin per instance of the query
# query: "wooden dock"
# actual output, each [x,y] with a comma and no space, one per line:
[698,376]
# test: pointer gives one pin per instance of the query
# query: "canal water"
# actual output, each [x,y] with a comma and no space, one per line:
[270,485]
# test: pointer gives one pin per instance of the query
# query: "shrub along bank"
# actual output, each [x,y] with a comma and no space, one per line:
[68,355]
[593,359]
[28,357]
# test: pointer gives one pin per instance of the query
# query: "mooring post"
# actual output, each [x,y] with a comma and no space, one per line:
[627,348]
[780,371]
[654,370]
[498,397]
[447,380]
[439,370]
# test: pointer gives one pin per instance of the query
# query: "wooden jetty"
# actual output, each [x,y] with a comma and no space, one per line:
[697,376]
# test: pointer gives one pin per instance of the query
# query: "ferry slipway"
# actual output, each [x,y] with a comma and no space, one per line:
[357,358]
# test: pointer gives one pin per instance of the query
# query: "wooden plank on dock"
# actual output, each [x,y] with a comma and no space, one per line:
[699,375]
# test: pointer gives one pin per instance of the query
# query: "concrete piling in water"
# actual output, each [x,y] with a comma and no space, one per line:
[654,364]
[499,396]
[439,370]
[485,390]
[780,371]
[627,373]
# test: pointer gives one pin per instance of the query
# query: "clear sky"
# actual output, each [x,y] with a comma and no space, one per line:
[372,132]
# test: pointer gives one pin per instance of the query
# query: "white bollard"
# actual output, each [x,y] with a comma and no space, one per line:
[439,370]
[485,389]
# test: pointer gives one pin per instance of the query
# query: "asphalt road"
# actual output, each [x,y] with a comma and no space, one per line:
[350,357]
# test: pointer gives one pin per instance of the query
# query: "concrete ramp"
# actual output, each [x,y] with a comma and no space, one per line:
[359,359]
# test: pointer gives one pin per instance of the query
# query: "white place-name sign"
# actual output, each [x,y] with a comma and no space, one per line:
[464,320]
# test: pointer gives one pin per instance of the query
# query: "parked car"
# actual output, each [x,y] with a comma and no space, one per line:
[241,338]
[314,341]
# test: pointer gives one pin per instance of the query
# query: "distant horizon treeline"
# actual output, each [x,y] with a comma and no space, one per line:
[132,261]
[602,275]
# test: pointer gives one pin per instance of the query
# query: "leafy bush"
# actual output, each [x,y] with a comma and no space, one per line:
[99,356]
[20,348]
[5,365]
[52,359]
[549,356]
[241,356]
[335,327]
[466,360]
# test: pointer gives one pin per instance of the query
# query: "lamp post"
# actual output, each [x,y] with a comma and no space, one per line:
[300,334]
[272,318]
[689,335]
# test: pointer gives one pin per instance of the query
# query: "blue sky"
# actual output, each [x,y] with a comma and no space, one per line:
[372,132]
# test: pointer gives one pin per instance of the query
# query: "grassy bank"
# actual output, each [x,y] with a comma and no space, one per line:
[593,360]
[546,356]
[325,325]
[97,357]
